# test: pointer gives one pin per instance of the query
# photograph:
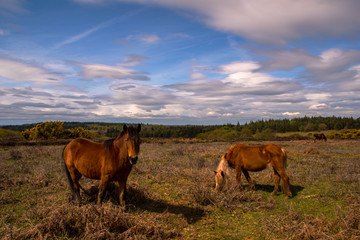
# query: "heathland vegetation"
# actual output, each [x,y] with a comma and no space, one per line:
[171,195]
[171,189]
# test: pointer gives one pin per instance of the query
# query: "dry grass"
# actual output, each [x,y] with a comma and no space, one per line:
[171,195]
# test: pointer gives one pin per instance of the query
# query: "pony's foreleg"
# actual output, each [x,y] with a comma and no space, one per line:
[248,178]
[102,188]
[238,177]
[122,194]
[277,182]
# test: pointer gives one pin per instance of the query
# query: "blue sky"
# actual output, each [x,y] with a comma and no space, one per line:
[178,61]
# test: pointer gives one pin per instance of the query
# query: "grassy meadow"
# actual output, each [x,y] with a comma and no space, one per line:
[171,195]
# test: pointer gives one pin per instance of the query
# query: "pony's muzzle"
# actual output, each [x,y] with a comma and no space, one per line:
[133,160]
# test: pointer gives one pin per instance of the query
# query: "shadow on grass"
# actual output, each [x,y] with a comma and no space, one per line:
[295,189]
[140,198]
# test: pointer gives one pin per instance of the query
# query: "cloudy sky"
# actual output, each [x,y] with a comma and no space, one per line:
[178,61]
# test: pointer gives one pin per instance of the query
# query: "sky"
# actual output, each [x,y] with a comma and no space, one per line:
[178,61]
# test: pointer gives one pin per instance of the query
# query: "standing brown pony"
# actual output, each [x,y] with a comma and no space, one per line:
[244,158]
[319,136]
[108,161]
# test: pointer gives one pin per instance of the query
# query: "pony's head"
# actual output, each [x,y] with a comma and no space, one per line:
[132,142]
[219,180]
[220,173]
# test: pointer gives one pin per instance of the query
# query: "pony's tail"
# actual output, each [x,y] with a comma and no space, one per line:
[284,157]
[70,181]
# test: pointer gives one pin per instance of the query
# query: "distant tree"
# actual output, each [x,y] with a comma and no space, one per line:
[246,133]
[310,127]
[322,127]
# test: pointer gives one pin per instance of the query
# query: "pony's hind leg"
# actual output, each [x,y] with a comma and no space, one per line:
[277,181]
[75,177]
[77,187]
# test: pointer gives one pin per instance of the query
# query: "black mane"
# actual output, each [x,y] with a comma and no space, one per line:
[108,143]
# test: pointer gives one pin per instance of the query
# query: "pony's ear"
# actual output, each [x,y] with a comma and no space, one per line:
[125,128]
[222,174]
[215,172]
[138,128]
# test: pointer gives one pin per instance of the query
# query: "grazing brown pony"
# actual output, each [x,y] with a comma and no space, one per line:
[319,136]
[108,161]
[244,158]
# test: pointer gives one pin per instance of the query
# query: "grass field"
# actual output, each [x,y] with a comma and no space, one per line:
[171,195]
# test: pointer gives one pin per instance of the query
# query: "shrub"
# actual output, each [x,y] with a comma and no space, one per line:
[55,130]
[79,132]
[345,134]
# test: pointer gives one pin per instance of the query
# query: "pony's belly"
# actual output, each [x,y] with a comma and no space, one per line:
[92,175]
[255,167]
[89,169]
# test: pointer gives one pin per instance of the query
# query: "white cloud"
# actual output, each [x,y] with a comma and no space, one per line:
[93,71]
[320,106]
[150,38]
[133,60]
[270,21]
[291,114]
[318,96]
[197,75]
[22,72]
[143,38]
[236,67]
[331,66]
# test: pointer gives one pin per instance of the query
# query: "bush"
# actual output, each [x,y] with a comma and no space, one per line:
[345,134]
[55,130]
[45,131]
[79,132]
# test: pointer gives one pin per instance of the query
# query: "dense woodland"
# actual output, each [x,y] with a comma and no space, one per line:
[254,129]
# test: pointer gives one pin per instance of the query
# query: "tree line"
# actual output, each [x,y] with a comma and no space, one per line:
[305,124]
[257,129]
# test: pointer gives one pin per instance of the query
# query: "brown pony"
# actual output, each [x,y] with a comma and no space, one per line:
[244,158]
[319,136]
[108,161]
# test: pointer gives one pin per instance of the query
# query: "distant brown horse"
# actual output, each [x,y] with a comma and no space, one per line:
[319,136]
[244,158]
[108,161]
